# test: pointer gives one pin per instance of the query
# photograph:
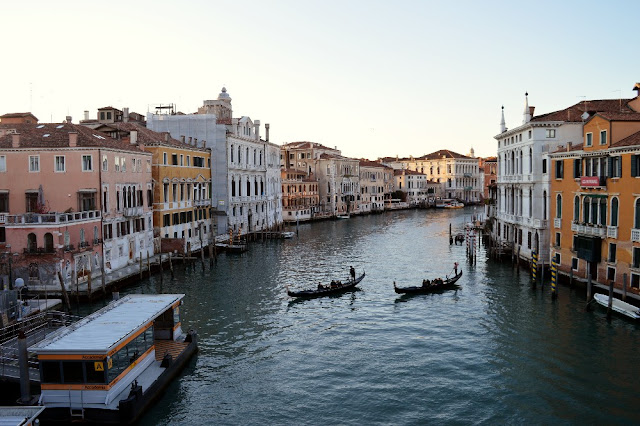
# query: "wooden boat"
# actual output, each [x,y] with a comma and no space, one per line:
[232,248]
[343,216]
[288,234]
[454,205]
[327,289]
[618,305]
[445,284]
[111,365]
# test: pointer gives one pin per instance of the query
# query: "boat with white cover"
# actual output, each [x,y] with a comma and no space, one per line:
[110,366]
[618,305]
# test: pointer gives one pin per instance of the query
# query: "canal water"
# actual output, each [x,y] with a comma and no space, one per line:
[494,351]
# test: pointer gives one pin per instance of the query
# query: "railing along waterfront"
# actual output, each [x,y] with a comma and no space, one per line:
[48,219]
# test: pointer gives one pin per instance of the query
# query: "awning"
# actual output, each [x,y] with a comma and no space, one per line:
[87,190]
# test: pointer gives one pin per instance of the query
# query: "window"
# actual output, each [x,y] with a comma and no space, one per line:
[544,165]
[636,258]
[123,164]
[188,160]
[615,166]
[614,212]
[182,159]
[31,201]
[164,158]
[635,281]
[551,133]
[87,163]
[635,165]
[588,141]
[636,222]
[34,163]
[116,164]
[530,134]
[557,239]
[612,253]
[105,163]
[576,208]
[59,163]
[3,163]
[603,137]
[174,159]
[559,206]
[577,168]
[574,263]
[556,259]
[559,169]
[611,274]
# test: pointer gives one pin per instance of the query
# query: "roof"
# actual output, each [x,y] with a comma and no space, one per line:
[619,116]
[368,163]
[631,140]
[148,136]
[109,107]
[306,145]
[18,115]
[103,330]
[56,135]
[443,153]
[574,112]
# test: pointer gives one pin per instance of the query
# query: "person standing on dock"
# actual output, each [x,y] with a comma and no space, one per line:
[353,273]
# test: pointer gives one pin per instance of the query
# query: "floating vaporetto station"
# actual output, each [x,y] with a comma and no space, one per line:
[109,366]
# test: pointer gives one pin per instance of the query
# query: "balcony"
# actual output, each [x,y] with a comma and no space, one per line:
[69,247]
[467,175]
[201,203]
[51,219]
[592,229]
[574,227]
[540,224]
[635,235]
[38,250]
[612,232]
[133,211]
[3,217]
[83,244]
[557,223]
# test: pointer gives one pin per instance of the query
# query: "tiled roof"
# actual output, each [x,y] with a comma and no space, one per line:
[442,153]
[17,115]
[631,140]
[327,156]
[306,145]
[620,116]
[56,135]
[109,107]
[574,112]
[148,136]
[368,163]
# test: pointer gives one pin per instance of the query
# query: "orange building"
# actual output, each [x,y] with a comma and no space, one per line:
[595,199]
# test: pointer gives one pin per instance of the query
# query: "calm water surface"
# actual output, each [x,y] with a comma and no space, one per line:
[494,351]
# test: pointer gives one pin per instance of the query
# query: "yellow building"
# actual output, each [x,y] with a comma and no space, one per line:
[181,171]
[595,199]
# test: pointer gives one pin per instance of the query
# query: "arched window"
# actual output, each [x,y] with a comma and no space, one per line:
[239,155]
[248,188]
[32,243]
[233,187]
[614,211]
[82,235]
[576,208]
[530,160]
[603,212]
[559,206]
[586,210]
[95,233]
[48,242]
[232,153]
[530,203]
[636,222]
[544,205]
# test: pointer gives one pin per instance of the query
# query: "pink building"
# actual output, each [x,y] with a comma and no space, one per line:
[58,184]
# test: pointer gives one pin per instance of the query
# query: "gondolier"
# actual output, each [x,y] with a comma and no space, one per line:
[352,272]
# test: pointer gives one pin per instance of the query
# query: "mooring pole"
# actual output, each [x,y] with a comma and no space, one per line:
[624,286]
[588,288]
[610,304]
[554,277]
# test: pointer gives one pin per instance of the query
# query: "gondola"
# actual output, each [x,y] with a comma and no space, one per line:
[327,289]
[446,284]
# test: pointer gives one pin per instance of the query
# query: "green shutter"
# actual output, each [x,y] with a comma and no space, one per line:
[610,167]
[634,165]
[619,164]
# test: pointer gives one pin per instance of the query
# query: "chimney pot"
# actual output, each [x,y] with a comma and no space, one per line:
[195,141]
[166,137]
[190,140]
[569,145]
[182,138]
[86,115]
[266,127]
[15,140]
[68,119]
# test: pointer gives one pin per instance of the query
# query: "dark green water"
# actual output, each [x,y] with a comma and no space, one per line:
[493,352]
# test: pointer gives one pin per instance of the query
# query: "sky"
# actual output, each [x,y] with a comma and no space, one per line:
[372,78]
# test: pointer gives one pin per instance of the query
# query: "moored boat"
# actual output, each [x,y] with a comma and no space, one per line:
[430,286]
[454,205]
[618,306]
[323,290]
[109,367]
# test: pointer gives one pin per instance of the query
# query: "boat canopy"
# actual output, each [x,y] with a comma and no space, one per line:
[105,329]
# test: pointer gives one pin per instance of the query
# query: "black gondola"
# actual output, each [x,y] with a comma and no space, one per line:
[327,289]
[430,286]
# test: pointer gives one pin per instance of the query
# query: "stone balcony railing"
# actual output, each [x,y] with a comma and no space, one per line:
[557,223]
[635,235]
[133,211]
[612,232]
[3,217]
[200,203]
[51,219]
[591,229]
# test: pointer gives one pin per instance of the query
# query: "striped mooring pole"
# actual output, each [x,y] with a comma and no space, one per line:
[554,275]
[534,268]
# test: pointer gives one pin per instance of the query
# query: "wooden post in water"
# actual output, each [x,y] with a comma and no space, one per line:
[534,269]
[210,255]
[103,278]
[140,264]
[148,265]
[588,288]
[450,235]
[610,304]
[171,264]
[554,278]
[65,296]
[89,286]
[518,260]
[624,286]
[542,274]
[571,277]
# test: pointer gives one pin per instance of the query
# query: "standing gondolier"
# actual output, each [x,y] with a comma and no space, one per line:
[352,271]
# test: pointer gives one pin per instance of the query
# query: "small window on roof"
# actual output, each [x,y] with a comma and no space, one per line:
[40,126]
[46,135]
[59,126]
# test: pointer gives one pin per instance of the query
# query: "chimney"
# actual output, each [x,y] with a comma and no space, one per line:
[266,128]
[256,127]
[125,114]
[68,119]
[73,139]
[86,115]
[569,144]
[204,144]
[531,109]
[190,140]
[195,141]
[182,138]
[166,137]
[15,140]
[133,137]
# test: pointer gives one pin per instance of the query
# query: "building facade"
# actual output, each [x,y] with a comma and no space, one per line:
[595,204]
[376,186]
[300,199]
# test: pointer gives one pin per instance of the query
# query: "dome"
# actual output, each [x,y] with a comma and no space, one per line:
[224,95]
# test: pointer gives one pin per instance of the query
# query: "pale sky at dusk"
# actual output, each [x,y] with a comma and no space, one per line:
[374,78]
